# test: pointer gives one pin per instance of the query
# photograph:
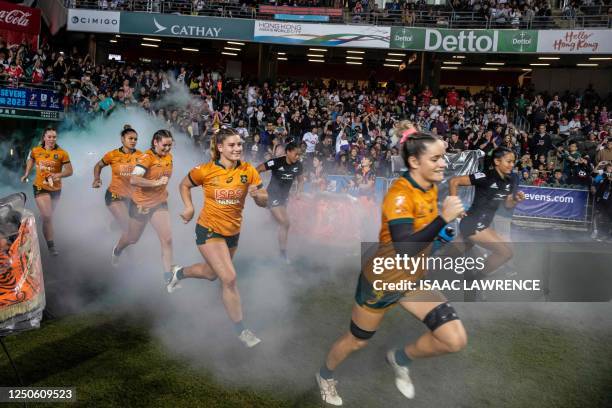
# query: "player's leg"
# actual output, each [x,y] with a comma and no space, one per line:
[501,252]
[136,226]
[282,219]
[45,207]
[364,323]
[160,220]
[219,258]
[446,335]
[119,210]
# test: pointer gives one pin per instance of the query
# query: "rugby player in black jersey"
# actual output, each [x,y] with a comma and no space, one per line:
[492,187]
[285,170]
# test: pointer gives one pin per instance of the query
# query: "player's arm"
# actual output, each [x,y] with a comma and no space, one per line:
[300,184]
[261,168]
[97,182]
[137,178]
[259,194]
[29,164]
[185,189]
[66,171]
[517,196]
[455,182]
[402,231]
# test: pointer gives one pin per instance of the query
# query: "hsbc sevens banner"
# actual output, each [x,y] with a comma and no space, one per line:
[19,23]
[549,202]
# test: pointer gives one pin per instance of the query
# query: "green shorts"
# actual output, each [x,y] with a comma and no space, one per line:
[377,300]
[55,195]
[112,197]
[204,233]
[141,213]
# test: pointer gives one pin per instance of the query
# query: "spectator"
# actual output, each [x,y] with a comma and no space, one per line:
[605,154]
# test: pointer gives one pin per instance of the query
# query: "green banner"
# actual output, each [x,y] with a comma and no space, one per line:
[171,25]
[467,41]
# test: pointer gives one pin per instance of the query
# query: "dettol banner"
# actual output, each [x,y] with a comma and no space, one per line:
[476,41]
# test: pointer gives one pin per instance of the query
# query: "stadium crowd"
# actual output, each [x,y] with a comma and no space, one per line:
[344,128]
[463,13]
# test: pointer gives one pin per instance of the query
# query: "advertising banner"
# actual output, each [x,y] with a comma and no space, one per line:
[548,202]
[575,41]
[474,41]
[95,21]
[19,23]
[171,25]
[30,98]
[329,35]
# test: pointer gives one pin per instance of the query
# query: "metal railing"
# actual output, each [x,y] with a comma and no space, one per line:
[432,17]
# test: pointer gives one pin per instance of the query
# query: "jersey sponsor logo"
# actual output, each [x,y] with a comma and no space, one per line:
[243,178]
[494,185]
[281,168]
[228,196]
[479,175]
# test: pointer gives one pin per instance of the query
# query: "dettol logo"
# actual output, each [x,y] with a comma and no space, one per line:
[462,41]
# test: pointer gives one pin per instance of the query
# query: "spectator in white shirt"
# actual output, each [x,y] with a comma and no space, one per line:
[311,139]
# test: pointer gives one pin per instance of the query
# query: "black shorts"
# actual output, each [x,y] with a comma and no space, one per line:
[277,201]
[474,223]
[112,197]
[55,195]
[141,213]
[203,234]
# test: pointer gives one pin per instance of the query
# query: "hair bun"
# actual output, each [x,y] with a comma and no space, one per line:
[127,126]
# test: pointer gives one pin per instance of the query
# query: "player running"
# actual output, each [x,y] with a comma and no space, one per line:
[225,181]
[285,170]
[491,188]
[52,165]
[150,178]
[122,162]
[410,223]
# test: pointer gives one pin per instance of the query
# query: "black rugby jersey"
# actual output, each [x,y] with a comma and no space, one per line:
[283,175]
[490,190]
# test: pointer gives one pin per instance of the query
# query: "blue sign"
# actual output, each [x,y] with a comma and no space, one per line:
[345,184]
[548,202]
[30,98]
[302,17]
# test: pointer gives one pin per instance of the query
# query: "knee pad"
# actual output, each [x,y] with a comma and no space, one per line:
[360,333]
[440,315]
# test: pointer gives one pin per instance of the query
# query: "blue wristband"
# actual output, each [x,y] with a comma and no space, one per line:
[446,234]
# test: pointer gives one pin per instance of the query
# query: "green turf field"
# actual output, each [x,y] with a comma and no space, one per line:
[114,362]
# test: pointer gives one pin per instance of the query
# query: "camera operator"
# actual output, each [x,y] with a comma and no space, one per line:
[602,189]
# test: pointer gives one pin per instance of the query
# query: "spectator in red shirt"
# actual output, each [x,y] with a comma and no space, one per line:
[15,71]
[38,73]
[426,95]
[452,97]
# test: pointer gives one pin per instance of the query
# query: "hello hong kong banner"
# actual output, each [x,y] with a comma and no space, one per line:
[575,41]
[18,24]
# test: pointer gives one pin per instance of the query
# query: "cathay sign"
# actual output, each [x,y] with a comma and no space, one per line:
[188,30]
